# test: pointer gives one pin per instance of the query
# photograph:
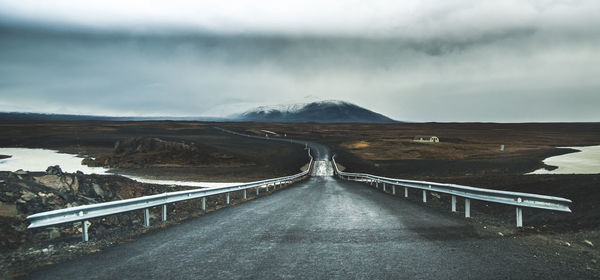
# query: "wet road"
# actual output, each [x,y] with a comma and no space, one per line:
[321,228]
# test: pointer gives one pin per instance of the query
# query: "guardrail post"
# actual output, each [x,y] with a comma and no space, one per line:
[384,186]
[519,217]
[424,196]
[146,217]
[256,191]
[467,208]
[204,204]
[244,194]
[394,189]
[377,184]
[267,187]
[454,203]
[406,192]
[84,231]
[227,198]
[164,212]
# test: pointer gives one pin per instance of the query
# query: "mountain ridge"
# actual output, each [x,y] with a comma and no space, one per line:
[330,111]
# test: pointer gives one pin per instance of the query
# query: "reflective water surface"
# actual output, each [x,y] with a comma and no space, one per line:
[39,159]
[586,161]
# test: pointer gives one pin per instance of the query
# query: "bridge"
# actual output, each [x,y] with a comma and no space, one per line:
[320,228]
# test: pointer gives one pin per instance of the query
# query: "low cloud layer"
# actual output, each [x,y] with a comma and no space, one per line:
[534,61]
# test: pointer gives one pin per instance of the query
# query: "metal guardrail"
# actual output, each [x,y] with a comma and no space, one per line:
[517,199]
[85,212]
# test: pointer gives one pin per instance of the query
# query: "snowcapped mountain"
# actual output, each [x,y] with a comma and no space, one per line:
[322,111]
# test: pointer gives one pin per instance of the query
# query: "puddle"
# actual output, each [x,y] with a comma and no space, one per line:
[586,161]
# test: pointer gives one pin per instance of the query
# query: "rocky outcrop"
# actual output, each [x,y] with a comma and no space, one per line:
[26,193]
[146,145]
[147,152]
[54,170]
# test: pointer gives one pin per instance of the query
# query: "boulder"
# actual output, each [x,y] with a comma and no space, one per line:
[98,190]
[54,170]
[27,195]
[53,181]
[62,183]
[21,172]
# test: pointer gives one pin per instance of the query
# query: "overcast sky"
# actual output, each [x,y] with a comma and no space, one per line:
[452,60]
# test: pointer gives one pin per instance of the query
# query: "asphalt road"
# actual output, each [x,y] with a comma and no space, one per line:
[321,228]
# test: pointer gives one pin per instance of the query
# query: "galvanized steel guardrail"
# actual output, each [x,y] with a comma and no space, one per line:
[85,212]
[517,199]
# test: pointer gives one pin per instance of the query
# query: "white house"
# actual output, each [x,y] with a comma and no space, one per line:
[426,139]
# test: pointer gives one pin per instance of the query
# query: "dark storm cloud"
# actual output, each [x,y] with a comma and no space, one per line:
[452,64]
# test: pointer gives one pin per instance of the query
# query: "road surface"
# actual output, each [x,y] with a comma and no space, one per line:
[321,228]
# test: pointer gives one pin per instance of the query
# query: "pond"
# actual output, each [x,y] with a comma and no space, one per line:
[39,159]
[585,161]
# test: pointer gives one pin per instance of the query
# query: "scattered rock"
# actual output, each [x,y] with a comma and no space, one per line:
[98,190]
[588,243]
[567,244]
[27,195]
[500,233]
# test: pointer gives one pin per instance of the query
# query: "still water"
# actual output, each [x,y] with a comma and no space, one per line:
[39,159]
[586,161]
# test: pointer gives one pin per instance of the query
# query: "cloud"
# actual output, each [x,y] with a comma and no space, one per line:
[420,61]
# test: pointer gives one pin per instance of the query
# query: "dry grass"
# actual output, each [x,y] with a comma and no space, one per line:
[457,140]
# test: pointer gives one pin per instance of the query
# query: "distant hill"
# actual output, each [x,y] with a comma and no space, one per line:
[322,112]
[63,117]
